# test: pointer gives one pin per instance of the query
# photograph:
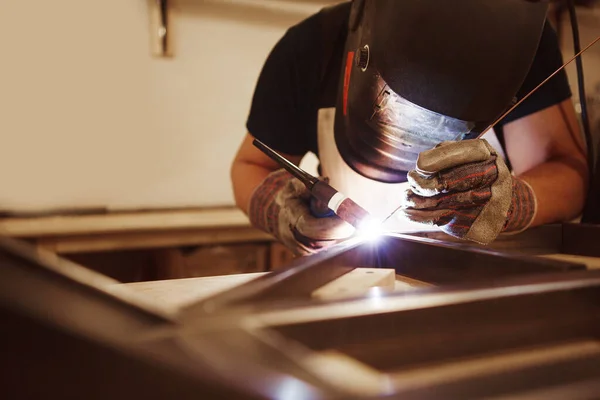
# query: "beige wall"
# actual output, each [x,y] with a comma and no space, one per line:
[89,118]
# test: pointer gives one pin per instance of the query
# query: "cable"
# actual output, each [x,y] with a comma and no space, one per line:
[591,197]
[581,87]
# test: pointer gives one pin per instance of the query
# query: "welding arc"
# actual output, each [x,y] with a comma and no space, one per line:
[538,86]
[307,179]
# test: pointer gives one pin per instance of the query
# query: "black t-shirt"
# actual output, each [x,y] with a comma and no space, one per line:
[301,73]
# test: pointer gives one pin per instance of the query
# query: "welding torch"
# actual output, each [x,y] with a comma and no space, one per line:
[338,203]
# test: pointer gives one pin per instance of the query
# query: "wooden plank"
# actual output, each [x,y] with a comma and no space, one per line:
[124,222]
[404,284]
[356,283]
[145,240]
[181,292]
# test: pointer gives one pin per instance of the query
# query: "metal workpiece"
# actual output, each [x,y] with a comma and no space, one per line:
[470,343]
[526,336]
[430,261]
[492,324]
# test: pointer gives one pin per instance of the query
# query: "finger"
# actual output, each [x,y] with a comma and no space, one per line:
[329,228]
[453,154]
[319,208]
[470,176]
[423,217]
[424,186]
[453,221]
[458,200]
[309,245]
[294,188]
[458,179]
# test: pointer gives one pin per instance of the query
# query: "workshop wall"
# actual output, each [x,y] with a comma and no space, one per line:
[589,29]
[89,118]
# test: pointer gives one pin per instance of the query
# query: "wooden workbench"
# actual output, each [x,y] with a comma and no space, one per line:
[69,234]
[177,293]
[154,244]
[222,233]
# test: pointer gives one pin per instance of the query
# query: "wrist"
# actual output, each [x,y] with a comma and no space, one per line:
[523,207]
[263,207]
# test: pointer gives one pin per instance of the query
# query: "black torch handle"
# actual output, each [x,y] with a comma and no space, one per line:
[307,179]
[342,206]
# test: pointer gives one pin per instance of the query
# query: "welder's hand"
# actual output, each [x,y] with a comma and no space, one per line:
[466,189]
[280,206]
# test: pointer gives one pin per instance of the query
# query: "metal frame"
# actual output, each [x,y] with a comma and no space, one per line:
[423,259]
[499,324]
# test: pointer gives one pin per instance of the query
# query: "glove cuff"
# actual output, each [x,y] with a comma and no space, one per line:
[263,210]
[523,207]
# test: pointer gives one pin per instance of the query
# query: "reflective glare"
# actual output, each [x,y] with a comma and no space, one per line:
[375,295]
[294,389]
[370,229]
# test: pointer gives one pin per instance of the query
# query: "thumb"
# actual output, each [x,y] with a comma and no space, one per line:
[329,228]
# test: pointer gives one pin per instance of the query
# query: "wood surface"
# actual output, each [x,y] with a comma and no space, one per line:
[178,293]
[151,239]
[357,282]
[70,234]
[179,219]
[181,292]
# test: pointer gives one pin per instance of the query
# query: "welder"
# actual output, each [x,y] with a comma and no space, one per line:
[395,99]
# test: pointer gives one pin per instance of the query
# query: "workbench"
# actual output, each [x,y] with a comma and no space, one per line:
[188,243]
[126,230]
[178,293]
[519,327]
[153,244]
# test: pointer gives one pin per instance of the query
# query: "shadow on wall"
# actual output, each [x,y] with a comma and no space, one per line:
[263,12]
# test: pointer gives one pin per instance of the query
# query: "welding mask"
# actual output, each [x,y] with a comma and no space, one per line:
[419,72]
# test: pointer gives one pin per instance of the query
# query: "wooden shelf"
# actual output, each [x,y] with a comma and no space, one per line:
[134,230]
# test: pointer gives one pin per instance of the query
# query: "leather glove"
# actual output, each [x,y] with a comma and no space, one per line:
[466,189]
[280,206]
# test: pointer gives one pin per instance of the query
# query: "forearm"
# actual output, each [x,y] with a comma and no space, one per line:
[560,187]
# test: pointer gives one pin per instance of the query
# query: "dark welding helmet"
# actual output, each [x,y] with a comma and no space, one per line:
[419,72]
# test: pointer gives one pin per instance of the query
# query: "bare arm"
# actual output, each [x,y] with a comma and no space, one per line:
[250,167]
[547,151]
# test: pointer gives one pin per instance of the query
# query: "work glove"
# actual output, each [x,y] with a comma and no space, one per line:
[280,206]
[466,189]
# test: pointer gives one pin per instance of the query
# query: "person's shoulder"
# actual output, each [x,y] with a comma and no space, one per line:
[302,34]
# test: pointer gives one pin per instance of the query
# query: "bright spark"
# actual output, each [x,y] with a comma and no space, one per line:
[370,229]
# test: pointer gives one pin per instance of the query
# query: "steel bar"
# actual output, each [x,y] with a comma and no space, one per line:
[428,260]
[525,335]
[506,335]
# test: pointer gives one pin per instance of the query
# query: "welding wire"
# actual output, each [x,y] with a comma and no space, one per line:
[390,216]
[537,87]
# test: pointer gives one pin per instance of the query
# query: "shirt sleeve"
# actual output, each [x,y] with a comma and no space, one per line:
[547,60]
[283,113]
